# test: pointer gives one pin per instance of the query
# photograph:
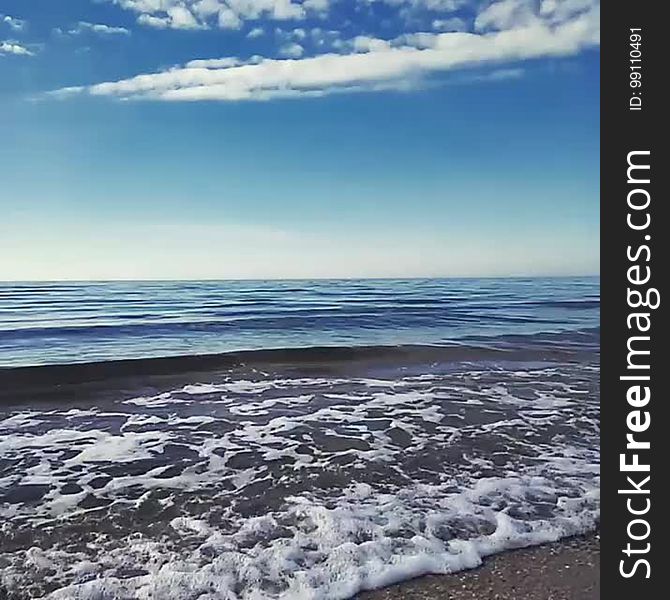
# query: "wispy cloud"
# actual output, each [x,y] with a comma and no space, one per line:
[495,75]
[256,32]
[506,36]
[97,28]
[224,14]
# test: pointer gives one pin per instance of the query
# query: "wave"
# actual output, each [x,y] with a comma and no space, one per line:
[16,382]
[283,319]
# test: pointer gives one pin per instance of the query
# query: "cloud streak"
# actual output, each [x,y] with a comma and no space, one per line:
[98,28]
[371,66]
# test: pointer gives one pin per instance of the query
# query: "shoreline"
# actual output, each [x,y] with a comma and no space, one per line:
[104,380]
[568,569]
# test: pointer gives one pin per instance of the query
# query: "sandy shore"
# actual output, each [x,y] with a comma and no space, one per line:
[109,380]
[566,570]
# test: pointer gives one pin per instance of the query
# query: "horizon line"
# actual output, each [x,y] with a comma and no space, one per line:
[236,279]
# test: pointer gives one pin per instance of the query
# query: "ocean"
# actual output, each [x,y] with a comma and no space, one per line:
[86,322]
[289,439]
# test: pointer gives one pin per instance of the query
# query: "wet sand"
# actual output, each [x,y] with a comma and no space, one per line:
[109,380]
[150,462]
[566,570]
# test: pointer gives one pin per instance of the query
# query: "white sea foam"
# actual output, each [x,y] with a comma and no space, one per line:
[298,489]
[335,551]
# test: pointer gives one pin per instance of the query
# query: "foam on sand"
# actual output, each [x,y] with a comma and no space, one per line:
[301,489]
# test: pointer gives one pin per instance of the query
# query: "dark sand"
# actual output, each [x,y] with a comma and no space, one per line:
[566,570]
[126,378]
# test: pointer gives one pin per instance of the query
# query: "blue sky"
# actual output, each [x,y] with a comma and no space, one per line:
[276,138]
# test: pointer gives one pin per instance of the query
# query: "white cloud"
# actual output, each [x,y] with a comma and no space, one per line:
[206,8]
[389,67]
[327,39]
[445,15]
[182,18]
[435,5]
[560,10]
[413,7]
[225,14]
[292,50]
[364,43]
[506,14]
[452,24]
[13,47]
[256,32]
[214,63]
[155,22]
[14,23]
[164,14]
[228,19]
[442,5]
[493,76]
[286,37]
[318,6]
[283,10]
[99,28]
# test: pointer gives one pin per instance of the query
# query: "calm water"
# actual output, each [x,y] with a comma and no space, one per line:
[43,323]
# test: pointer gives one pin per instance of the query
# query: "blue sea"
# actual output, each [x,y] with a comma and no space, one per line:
[45,323]
[306,440]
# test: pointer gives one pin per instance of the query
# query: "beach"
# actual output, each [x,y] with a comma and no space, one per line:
[301,477]
[565,570]
[311,472]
